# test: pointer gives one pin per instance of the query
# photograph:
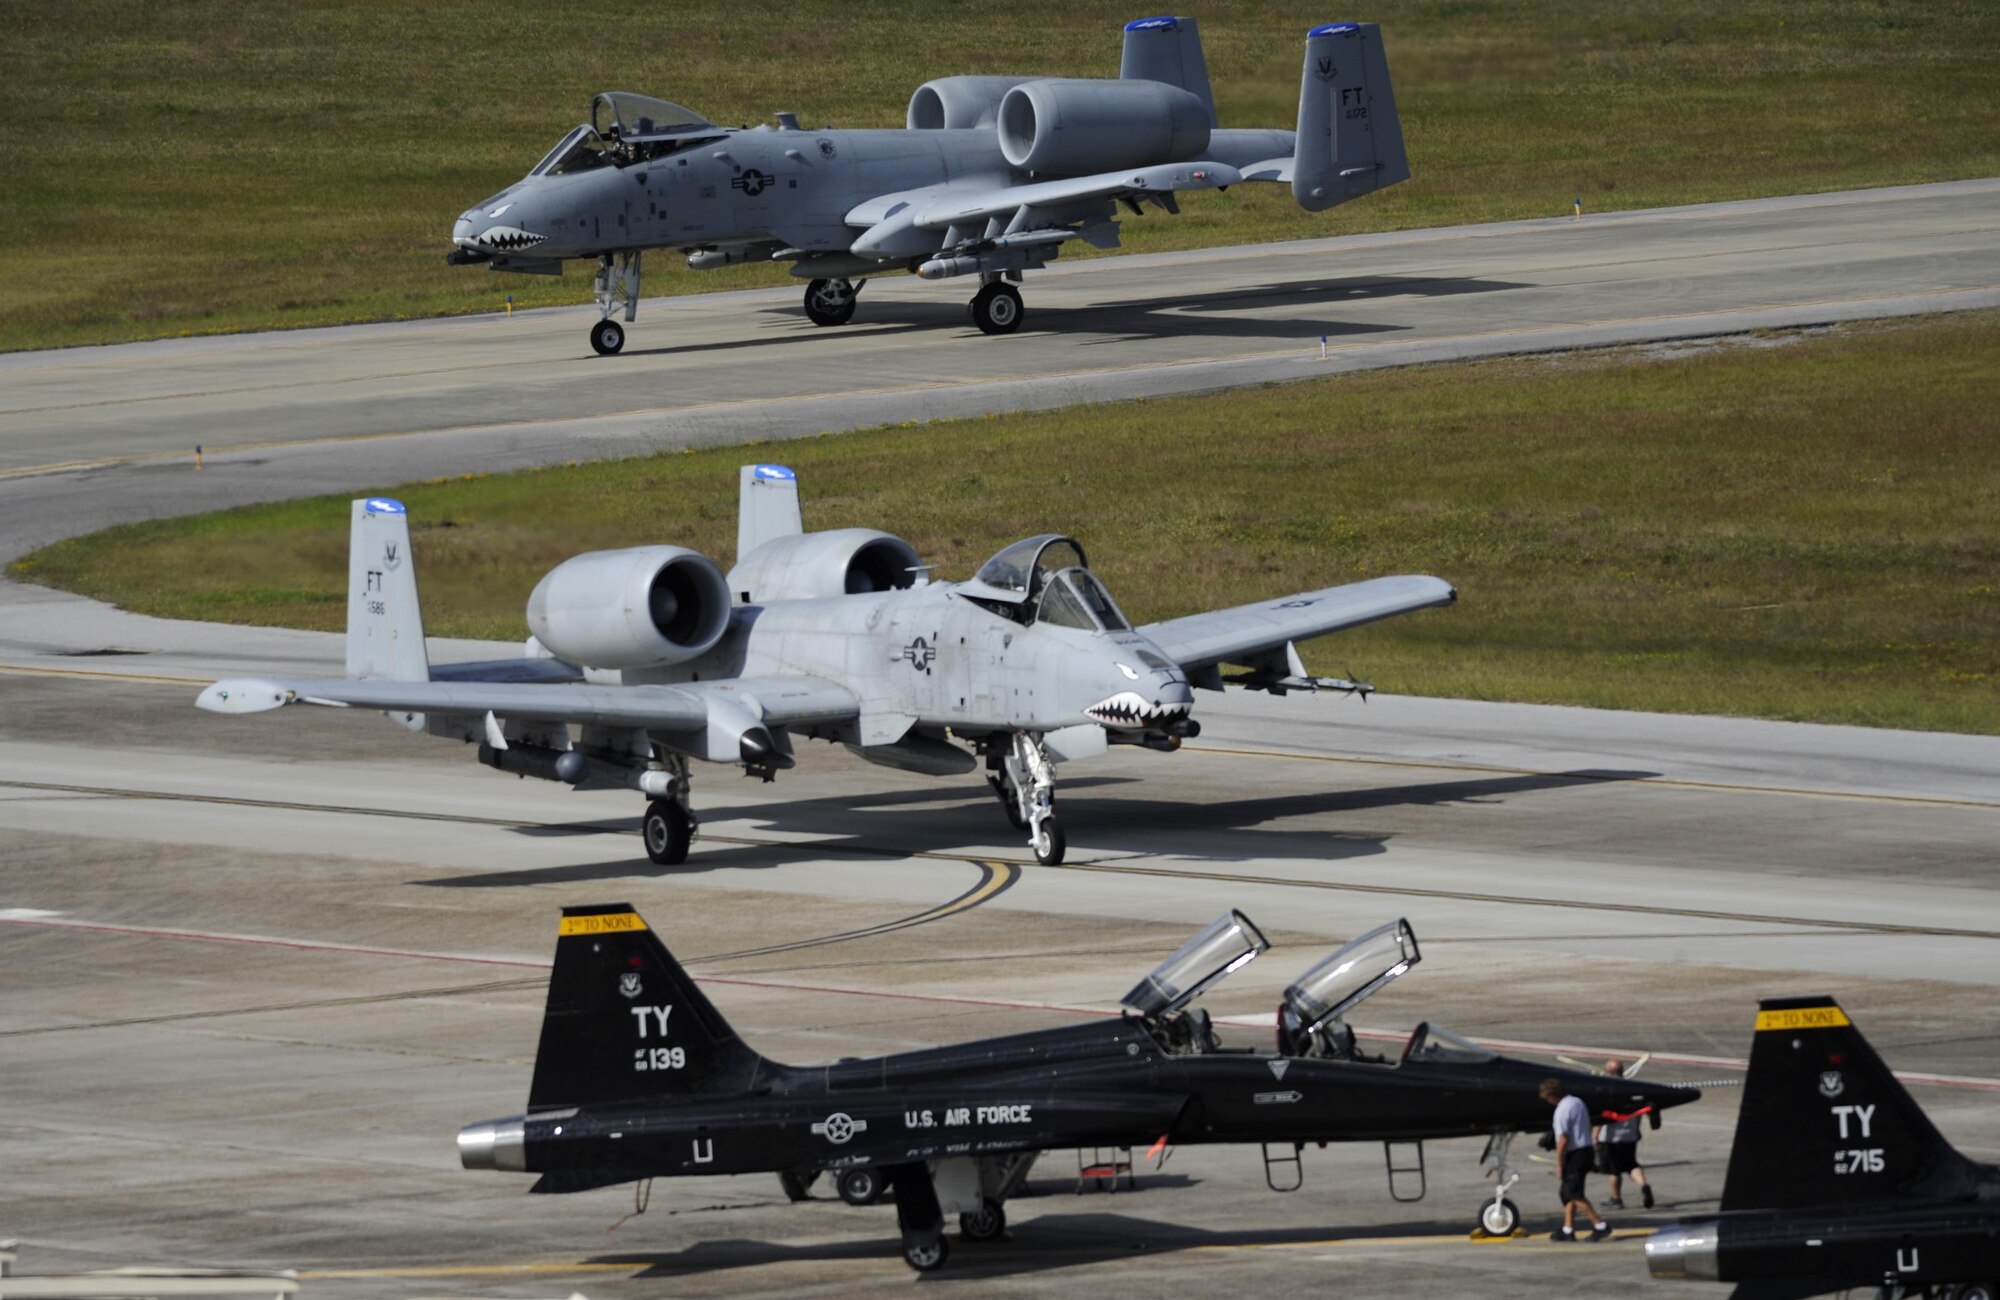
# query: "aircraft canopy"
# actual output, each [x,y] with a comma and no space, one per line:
[1353,972]
[1023,567]
[621,115]
[1229,943]
[1430,1043]
[1075,598]
[579,151]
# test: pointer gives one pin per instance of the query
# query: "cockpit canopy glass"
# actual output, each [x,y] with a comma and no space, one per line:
[621,115]
[1441,1046]
[1229,943]
[1030,562]
[579,151]
[1075,598]
[1355,971]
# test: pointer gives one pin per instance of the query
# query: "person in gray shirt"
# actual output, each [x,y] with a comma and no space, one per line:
[1618,1148]
[1574,1158]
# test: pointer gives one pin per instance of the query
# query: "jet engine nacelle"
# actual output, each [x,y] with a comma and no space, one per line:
[838,562]
[957,103]
[639,608]
[1077,127]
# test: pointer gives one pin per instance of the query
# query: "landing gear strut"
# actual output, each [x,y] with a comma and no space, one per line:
[920,1217]
[669,825]
[1027,772]
[1499,1217]
[996,308]
[617,282]
[831,302]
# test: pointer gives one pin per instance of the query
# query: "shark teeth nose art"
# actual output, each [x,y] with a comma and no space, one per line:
[508,239]
[1130,709]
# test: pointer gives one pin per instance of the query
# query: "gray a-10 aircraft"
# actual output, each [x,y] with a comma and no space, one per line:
[990,178]
[638,1076]
[658,658]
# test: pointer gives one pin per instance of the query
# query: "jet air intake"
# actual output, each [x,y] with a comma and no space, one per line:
[645,607]
[1076,127]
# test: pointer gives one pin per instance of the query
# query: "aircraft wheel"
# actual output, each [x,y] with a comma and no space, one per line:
[996,309]
[986,1223]
[926,1254]
[830,302]
[1499,1220]
[1049,843]
[797,1186]
[861,1187]
[668,831]
[607,338]
[1973,1291]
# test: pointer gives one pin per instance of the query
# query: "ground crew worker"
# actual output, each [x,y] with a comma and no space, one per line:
[1618,1147]
[1573,1161]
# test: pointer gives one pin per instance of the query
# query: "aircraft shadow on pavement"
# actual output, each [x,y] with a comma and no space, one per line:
[1042,1244]
[1176,315]
[854,825]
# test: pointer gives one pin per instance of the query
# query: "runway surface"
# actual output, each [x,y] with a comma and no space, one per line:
[322,410]
[259,969]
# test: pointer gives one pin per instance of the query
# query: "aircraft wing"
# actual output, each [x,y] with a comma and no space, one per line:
[1247,633]
[683,706]
[948,207]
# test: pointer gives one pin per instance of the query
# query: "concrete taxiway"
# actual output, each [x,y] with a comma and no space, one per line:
[259,969]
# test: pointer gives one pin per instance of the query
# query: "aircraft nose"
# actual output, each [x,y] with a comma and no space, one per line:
[461,230]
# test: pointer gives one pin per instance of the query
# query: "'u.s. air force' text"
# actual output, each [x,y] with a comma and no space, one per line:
[957,1116]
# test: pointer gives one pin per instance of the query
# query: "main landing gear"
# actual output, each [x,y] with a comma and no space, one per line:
[920,1217]
[996,308]
[617,286]
[831,302]
[669,825]
[1024,778]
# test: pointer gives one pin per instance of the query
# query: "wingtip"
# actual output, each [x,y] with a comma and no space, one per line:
[240,695]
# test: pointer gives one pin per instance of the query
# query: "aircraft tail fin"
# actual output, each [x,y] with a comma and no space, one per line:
[1169,50]
[625,1023]
[385,623]
[1350,141]
[767,507]
[1825,1122]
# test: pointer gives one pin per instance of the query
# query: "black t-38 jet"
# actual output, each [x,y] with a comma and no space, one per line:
[1838,1181]
[638,1076]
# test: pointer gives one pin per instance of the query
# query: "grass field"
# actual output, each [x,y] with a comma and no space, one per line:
[1796,527]
[191,166]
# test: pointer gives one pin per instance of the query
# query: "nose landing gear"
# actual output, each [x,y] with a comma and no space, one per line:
[617,283]
[1025,780]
